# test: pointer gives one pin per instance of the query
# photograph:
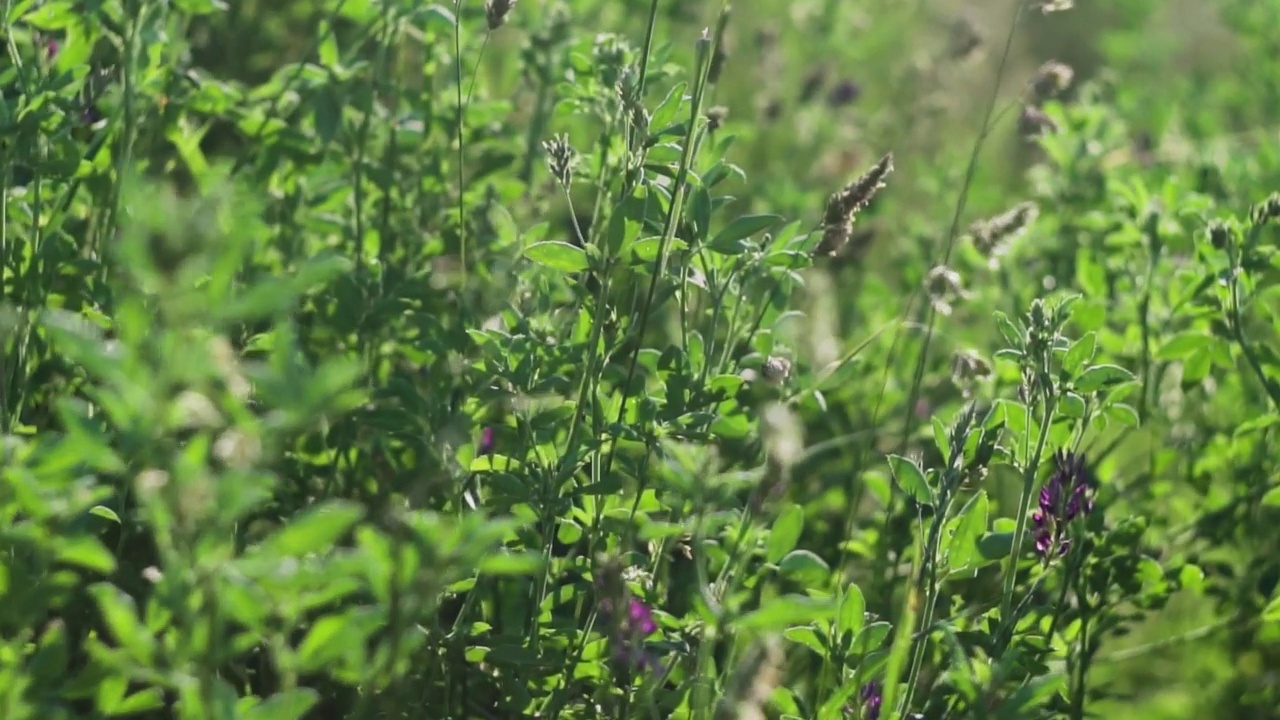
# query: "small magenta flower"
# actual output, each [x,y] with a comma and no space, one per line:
[628,645]
[1067,494]
[487,442]
[640,618]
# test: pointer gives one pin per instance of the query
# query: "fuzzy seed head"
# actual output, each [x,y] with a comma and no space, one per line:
[716,117]
[1035,122]
[496,11]
[1052,79]
[967,366]
[992,236]
[844,205]
[944,287]
[561,158]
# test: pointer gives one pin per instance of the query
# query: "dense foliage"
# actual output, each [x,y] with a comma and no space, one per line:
[584,359]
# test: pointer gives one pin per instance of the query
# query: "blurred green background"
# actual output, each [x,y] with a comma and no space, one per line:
[817,90]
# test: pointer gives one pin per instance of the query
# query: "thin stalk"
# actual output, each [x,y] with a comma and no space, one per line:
[1024,509]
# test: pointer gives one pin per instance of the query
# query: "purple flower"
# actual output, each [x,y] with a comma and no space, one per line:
[629,633]
[844,93]
[871,698]
[485,447]
[1067,494]
[640,618]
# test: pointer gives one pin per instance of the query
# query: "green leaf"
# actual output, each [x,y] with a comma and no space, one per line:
[1071,405]
[88,553]
[1011,332]
[785,533]
[996,545]
[806,567]
[558,255]
[853,611]
[315,530]
[1182,345]
[1100,376]
[1080,352]
[1271,613]
[787,611]
[509,563]
[1272,498]
[333,637]
[971,523]
[288,705]
[726,241]
[940,438]
[807,636]
[505,230]
[139,702]
[119,612]
[872,637]
[910,479]
[105,513]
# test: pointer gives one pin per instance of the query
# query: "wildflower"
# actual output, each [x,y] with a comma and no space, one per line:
[1052,78]
[992,236]
[628,645]
[967,366]
[844,205]
[964,39]
[716,116]
[1035,122]
[640,618]
[870,698]
[1066,496]
[561,158]
[487,442]
[944,287]
[776,369]
[812,83]
[496,11]
[1266,211]
[845,92]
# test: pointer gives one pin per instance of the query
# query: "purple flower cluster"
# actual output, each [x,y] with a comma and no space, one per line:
[633,629]
[871,698]
[1068,494]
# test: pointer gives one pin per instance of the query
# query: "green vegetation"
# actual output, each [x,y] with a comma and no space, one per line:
[583,359]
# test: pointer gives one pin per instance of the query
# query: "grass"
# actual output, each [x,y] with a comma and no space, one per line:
[577,359]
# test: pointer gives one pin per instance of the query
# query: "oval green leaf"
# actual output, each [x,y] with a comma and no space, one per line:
[558,255]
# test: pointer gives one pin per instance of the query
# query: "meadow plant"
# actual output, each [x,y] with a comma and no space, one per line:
[376,359]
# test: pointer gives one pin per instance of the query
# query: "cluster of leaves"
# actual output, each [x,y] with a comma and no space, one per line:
[450,371]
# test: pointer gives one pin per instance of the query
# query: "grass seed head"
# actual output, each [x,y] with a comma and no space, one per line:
[992,236]
[496,11]
[844,205]
[1052,79]
[1035,122]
